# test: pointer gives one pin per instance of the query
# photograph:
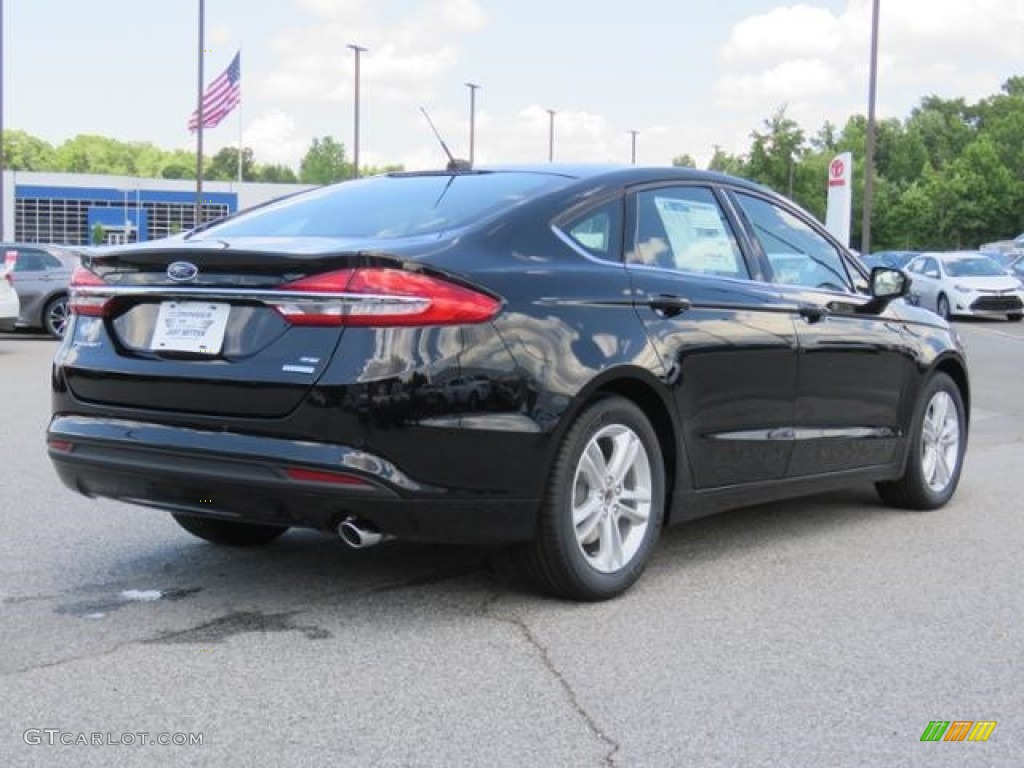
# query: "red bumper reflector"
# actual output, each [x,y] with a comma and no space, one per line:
[315,476]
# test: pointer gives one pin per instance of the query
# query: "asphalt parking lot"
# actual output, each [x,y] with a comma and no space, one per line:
[825,632]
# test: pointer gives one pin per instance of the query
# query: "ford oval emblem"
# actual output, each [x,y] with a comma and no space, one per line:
[182,271]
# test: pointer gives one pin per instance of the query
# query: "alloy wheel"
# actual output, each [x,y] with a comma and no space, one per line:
[940,442]
[611,498]
[57,317]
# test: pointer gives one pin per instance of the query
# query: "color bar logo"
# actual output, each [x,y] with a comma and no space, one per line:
[958,730]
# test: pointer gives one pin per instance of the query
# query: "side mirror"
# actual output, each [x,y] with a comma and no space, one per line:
[888,284]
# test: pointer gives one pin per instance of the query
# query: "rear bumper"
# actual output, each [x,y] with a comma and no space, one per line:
[250,478]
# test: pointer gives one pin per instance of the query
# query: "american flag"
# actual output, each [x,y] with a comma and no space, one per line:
[221,96]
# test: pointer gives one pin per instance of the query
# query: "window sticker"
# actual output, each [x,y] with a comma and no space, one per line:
[699,240]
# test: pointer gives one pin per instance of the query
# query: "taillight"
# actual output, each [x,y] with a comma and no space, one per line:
[10,259]
[383,298]
[83,303]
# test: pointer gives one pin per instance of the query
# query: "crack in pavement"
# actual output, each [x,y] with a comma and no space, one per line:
[69,660]
[487,611]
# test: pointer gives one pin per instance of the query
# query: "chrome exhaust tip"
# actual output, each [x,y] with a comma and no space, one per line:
[360,534]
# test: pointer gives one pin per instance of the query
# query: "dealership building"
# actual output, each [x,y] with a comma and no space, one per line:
[67,208]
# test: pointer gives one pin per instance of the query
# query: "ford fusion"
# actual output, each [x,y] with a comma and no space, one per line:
[561,359]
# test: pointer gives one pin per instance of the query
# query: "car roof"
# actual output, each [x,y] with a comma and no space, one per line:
[956,255]
[619,173]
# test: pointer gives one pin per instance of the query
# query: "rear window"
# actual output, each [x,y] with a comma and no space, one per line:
[390,206]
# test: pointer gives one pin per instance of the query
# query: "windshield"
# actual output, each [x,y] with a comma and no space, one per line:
[980,266]
[390,206]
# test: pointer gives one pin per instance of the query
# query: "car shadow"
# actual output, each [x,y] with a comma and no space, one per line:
[306,570]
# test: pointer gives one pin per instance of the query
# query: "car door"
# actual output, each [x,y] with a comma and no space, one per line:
[34,272]
[926,282]
[852,364]
[729,352]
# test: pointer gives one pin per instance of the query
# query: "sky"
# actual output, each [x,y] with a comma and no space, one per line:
[687,75]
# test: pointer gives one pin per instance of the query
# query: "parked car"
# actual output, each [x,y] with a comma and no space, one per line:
[646,346]
[41,274]
[10,305]
[1005,259]
[965,283]
[1016,268]
[893,259]
[1015,246]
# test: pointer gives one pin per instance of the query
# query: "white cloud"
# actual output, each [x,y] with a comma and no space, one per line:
[218,41]
[816,61]
[406,55]
[791,32]
[274,139]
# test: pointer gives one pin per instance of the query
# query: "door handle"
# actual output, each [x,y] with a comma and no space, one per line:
[669,305]
[812,313]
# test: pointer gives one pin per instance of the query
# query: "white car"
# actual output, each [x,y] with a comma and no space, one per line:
[10,307]
[964,283]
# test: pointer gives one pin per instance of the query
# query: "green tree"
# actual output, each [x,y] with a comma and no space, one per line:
[325,162]
[97,154]
[945,127]
[375,170]
[275,174]
[974,197]
[684,161]
[722,162]
[23,152]
[224,165]
[775,154]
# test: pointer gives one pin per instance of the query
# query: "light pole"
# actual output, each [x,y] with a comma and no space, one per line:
[632,154]
[869,155]
[357,50]
[472,119]
[551,135]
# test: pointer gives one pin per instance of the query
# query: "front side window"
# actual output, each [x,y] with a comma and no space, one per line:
[797,253]
[685,229]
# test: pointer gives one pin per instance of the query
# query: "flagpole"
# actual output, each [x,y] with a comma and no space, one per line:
[239,116]
[239,143]
[199,112]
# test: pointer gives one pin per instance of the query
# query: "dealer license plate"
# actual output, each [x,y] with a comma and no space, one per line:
[190,326]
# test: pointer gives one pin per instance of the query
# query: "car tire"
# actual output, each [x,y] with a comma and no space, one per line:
[1015,317]
[228,532]
[603,507]
[938,441]
[942,307]
[56,315]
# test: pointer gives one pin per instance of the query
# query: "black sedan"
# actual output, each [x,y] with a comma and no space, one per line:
[565,359]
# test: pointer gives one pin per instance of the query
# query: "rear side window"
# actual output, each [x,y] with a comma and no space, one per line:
[391,206]
[684,229]
[28,260]
[599,231]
